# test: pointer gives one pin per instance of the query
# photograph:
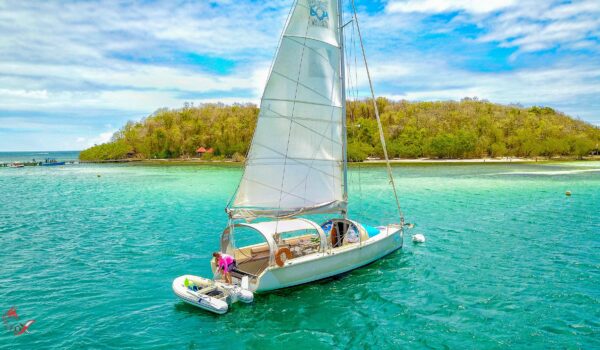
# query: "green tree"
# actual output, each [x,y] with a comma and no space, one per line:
[469,128]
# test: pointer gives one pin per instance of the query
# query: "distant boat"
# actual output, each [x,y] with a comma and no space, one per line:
[52,162]
[16,165]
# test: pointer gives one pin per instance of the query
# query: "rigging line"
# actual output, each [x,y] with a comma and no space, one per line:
[351,83]
[304,118]
[355,93]
[355,59]
[292,37]
[348,79]
[381,135]
[287,21]
[343,88]
[292,119]
[335,77]
[353,88]
[360,194]
[328,160]
[295,37]
[278,190]
[290,128]
[309,168]
[299,101]
[355,62]
[293,159]
[328,98]
[290,213]
[329,126]
[259,208]
[316,150]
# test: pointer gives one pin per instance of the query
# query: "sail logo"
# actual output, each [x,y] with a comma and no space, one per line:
[11,322]
[319,16]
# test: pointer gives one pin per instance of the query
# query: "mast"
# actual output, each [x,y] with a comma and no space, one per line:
[344,121]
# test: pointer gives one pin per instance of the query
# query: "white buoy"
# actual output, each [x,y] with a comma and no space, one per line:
[418,238]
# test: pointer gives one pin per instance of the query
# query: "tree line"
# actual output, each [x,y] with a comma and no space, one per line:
[470,128]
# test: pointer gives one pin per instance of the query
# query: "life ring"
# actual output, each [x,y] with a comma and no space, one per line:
[334,237]
[280,251]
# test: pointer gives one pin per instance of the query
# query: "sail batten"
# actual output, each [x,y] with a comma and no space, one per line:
[296,160]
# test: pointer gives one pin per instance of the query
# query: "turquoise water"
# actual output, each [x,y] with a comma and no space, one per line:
[509,262]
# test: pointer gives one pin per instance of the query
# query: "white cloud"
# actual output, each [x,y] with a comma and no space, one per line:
[566,87]
[102,138]
[130,87]
[441,6]
[85,142]
[20,93]
[61,56]
[86,31]
[528,25]
[74,67]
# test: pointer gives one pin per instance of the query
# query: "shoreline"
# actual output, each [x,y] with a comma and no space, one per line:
[374,162]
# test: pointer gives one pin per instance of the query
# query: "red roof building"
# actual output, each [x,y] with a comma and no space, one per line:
[201,150]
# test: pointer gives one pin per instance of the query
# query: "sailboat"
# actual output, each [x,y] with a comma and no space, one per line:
[297,167]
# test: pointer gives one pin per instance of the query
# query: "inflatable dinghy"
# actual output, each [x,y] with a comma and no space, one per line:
[209,295]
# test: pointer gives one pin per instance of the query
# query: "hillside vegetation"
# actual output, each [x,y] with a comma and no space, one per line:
[467,129]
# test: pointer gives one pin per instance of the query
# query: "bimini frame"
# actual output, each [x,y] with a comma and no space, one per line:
[269,229]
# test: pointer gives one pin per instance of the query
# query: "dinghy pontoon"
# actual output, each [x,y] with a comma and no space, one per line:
[209,295]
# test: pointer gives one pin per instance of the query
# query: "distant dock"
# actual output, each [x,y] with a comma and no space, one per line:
[36,163]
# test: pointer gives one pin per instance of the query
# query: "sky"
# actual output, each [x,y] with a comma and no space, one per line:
[73,72]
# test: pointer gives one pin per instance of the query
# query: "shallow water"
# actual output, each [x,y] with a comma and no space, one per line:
[509,262]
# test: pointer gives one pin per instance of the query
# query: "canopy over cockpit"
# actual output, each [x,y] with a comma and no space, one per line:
[270,230]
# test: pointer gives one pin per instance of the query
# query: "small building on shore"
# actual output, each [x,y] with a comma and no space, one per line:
[201,151]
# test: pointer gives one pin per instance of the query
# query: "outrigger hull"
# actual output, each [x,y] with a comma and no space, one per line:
[320,266]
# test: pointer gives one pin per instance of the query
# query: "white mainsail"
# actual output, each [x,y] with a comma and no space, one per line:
[296,163]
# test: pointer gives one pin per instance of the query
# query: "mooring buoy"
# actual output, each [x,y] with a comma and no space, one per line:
[418,238]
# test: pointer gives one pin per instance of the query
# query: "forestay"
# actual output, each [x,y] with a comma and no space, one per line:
[296,160]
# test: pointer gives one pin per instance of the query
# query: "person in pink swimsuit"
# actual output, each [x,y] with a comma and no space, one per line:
[225,263]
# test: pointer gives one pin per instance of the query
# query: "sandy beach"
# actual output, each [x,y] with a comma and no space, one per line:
[371,161]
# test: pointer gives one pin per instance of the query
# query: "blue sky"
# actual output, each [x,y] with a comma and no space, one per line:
[71,73]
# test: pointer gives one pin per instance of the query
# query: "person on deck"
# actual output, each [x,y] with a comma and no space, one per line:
[225,263]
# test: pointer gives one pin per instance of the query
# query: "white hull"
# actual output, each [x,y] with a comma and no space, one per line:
[322,265]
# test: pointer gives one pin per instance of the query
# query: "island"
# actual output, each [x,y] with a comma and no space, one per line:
[466,129]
